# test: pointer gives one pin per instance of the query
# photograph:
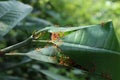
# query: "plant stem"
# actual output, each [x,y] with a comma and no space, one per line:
[15,46]
[45,41]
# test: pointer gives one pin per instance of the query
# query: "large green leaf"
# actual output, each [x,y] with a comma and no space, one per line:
[11,12]
[94,47]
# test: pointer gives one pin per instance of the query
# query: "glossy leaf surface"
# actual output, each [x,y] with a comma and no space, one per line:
[11,12]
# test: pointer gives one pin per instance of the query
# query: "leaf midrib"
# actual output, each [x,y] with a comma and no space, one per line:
[88,48]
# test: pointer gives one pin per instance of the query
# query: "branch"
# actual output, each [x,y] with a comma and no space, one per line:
[15,46]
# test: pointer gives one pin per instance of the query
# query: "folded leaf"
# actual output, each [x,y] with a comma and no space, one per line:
[95,48]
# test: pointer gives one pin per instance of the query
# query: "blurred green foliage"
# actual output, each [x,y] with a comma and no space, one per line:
[76,12]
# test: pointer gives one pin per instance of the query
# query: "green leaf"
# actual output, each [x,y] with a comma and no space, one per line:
[50,74]
[31,24]
[11,12]
[94,47]
[44,54]
[53,75]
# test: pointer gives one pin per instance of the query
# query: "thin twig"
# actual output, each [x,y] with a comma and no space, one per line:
[45,41]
